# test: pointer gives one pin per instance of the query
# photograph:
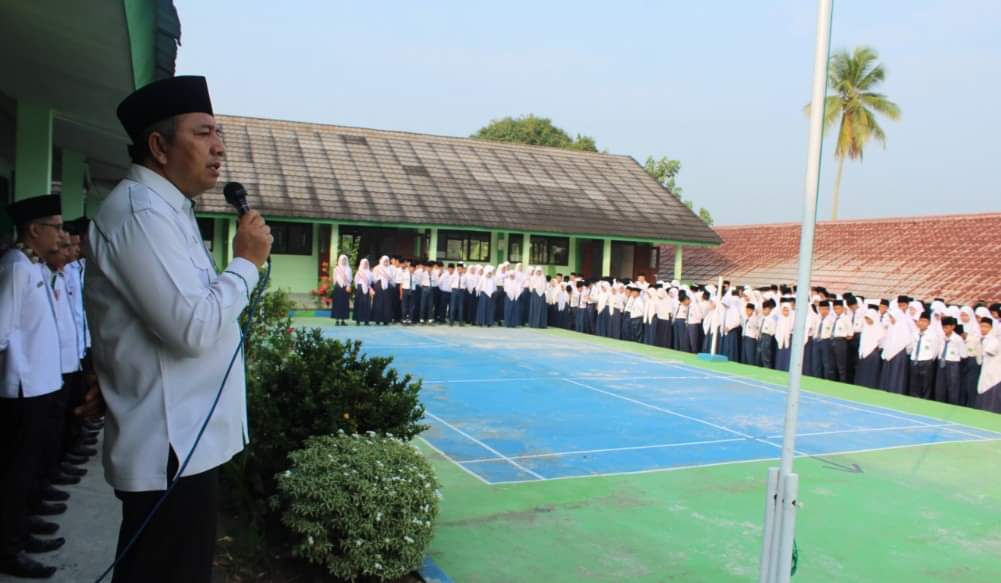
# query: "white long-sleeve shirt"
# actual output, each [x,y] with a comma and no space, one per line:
[75,273]
[164,326]
[29,336]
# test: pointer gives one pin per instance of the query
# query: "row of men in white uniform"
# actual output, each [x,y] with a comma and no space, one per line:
[44,342]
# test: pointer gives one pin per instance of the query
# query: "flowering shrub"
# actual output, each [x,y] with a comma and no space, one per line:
[321,295]
[359,505]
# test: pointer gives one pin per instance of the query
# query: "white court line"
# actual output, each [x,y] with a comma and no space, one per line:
[873,409]
[867,430]
[606,450]
[799,454]
[661,409]
[462,467]
[484,446]
[556,378]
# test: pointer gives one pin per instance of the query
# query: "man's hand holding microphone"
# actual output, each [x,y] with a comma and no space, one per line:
[253,238]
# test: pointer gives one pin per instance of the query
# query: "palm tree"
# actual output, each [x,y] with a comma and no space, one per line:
[852,77]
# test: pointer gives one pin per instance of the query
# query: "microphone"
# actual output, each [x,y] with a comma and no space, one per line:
[236,196]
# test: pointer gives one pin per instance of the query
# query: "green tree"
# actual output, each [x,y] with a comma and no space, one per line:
[664,170]
[534,130]
[852,77]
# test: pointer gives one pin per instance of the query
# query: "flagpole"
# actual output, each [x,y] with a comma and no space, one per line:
[783,484]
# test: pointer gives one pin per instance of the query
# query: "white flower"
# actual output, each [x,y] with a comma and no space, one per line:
[288,473]
[408,539]
[358,542]
[378,517]
[378,566]
[310,539]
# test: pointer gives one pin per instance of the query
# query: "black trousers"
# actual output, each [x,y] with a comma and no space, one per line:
[25,441]
[922,380]
[407,306]
[179,543]
[839,354]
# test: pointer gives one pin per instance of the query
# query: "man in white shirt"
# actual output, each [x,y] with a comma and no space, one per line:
[405,281]
[947,375]
[30,378]
[842,332]
[165,327]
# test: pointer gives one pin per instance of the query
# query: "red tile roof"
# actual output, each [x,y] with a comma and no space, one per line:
[956,257]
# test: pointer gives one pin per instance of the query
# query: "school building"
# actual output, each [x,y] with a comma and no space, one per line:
[329,189]
[65,66]
[955,257]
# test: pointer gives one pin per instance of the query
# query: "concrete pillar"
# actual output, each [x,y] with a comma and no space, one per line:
[433,245]
[606,258]
[32,150]
[677,262]
[335,245]
[73,171]
[230,234]
[526,248]
[494,255]
[572,256]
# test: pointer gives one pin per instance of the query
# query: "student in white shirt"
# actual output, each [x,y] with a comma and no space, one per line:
[948,380]
[924,350]
[842,332]
[894,373]
[457,299]
[750,334]
[445,293]
[31,380]
[989,384]
[405,277]
[425,298]
[783,336]
[766,340]
[165,326]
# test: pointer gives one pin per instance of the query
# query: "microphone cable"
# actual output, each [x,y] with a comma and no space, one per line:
[252,306]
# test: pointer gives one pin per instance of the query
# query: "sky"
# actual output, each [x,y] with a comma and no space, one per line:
[718,84]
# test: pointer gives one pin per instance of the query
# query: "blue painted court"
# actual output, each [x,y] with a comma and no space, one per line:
[518,405]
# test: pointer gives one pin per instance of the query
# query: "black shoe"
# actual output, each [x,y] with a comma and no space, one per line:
[76,460]
[49,509]
[38,526]
[93,425]
[50,494]
[64,480]
[90,440]
[21,565]
[71,470]
[83,451]
[43,545]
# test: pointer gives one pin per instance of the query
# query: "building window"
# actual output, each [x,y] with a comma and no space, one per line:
[207,228]
[550,251]
[463,246]
[655,258]
[292,238]
[514,248]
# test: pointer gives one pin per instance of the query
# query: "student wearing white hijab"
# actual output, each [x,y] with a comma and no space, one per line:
[382,306]
[604,309]
[970,365]
[989,385]
[895,370]
[730,321]
[869,357]
[617,305]
[340,304]
[363,293]
[537,299]
[470,299]
[487,289]
[664,326]
[511,291]
[650,301]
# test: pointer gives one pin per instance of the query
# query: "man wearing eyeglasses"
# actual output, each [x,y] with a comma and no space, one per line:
[30,379]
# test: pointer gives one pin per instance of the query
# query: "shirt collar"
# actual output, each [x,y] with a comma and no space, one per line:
[159,185]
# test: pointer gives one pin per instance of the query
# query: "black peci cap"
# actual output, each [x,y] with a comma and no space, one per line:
[161,100]
[38,207]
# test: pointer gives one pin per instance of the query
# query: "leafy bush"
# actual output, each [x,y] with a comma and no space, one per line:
[359,506]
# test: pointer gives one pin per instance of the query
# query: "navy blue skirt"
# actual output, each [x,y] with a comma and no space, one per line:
[893,377]
[867,370]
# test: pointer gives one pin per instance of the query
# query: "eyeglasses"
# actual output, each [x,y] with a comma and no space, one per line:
[58,226]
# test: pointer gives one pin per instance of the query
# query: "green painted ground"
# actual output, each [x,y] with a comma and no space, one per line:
[930,513]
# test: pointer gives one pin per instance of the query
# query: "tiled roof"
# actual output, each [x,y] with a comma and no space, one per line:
[956,257]
[315,171]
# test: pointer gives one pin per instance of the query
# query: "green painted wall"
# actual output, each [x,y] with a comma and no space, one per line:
[72,178]
[297,273]
[140,17]
[33,150]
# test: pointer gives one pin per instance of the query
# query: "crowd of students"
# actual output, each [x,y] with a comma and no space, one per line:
[929,350]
